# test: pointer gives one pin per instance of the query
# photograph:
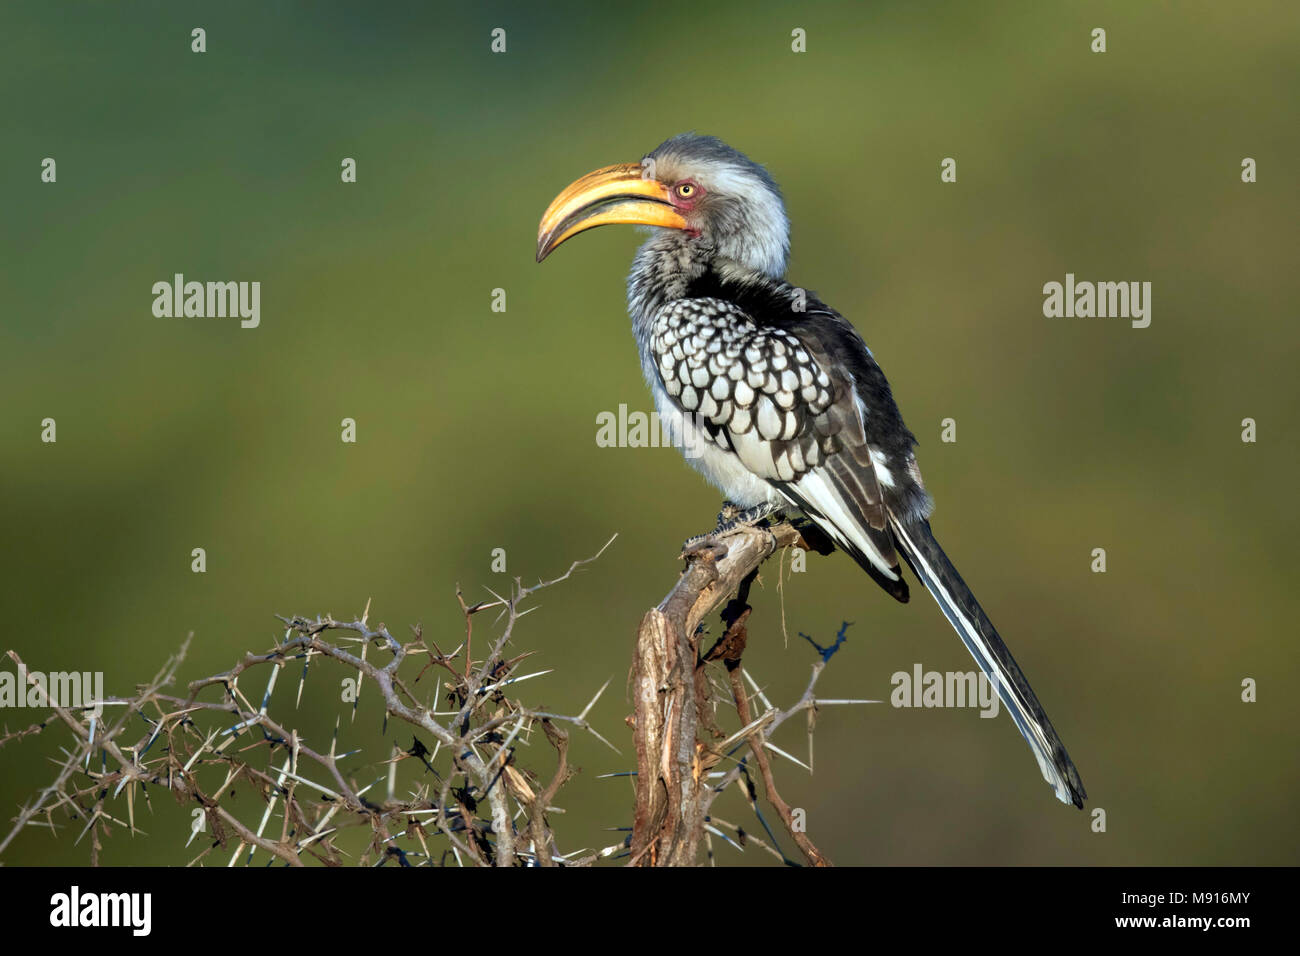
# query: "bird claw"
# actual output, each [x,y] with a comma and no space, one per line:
[731,521]
[701,544]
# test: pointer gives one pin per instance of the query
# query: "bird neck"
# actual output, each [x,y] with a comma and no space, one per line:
[663,268]
[675,265]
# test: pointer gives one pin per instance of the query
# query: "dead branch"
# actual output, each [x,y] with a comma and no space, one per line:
[675,783]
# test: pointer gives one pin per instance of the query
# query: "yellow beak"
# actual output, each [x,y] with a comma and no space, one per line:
[613,195]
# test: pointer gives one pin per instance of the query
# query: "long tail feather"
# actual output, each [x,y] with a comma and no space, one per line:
[929,563]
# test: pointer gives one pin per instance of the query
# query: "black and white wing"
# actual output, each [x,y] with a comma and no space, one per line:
[767,396]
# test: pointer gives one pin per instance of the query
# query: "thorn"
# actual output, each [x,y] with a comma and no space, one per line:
[586,710]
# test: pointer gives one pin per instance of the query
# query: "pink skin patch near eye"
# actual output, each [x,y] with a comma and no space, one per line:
[687,203]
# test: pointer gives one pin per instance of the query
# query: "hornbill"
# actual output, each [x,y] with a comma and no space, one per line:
[786,404]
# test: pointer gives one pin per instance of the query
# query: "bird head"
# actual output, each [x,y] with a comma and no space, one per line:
[697,185]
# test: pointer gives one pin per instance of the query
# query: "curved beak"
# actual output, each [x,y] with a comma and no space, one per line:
[613,195]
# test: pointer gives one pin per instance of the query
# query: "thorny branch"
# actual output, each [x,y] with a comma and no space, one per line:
[469,801]
[478,733]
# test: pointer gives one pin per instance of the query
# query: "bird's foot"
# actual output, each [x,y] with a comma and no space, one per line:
[730,510]
[731,520]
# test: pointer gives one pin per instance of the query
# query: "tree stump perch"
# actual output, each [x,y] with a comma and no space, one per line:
[673,794]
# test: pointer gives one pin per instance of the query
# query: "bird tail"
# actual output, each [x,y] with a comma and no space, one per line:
[932,567]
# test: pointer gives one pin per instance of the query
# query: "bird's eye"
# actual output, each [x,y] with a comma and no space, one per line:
[685,190]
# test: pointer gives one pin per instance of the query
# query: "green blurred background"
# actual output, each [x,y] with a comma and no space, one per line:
[477,429]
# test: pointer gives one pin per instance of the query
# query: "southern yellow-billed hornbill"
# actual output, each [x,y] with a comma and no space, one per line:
[793,411]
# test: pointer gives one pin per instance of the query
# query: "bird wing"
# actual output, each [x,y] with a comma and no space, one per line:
[772,399]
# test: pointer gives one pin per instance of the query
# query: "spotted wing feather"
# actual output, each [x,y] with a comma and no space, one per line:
[768,397]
